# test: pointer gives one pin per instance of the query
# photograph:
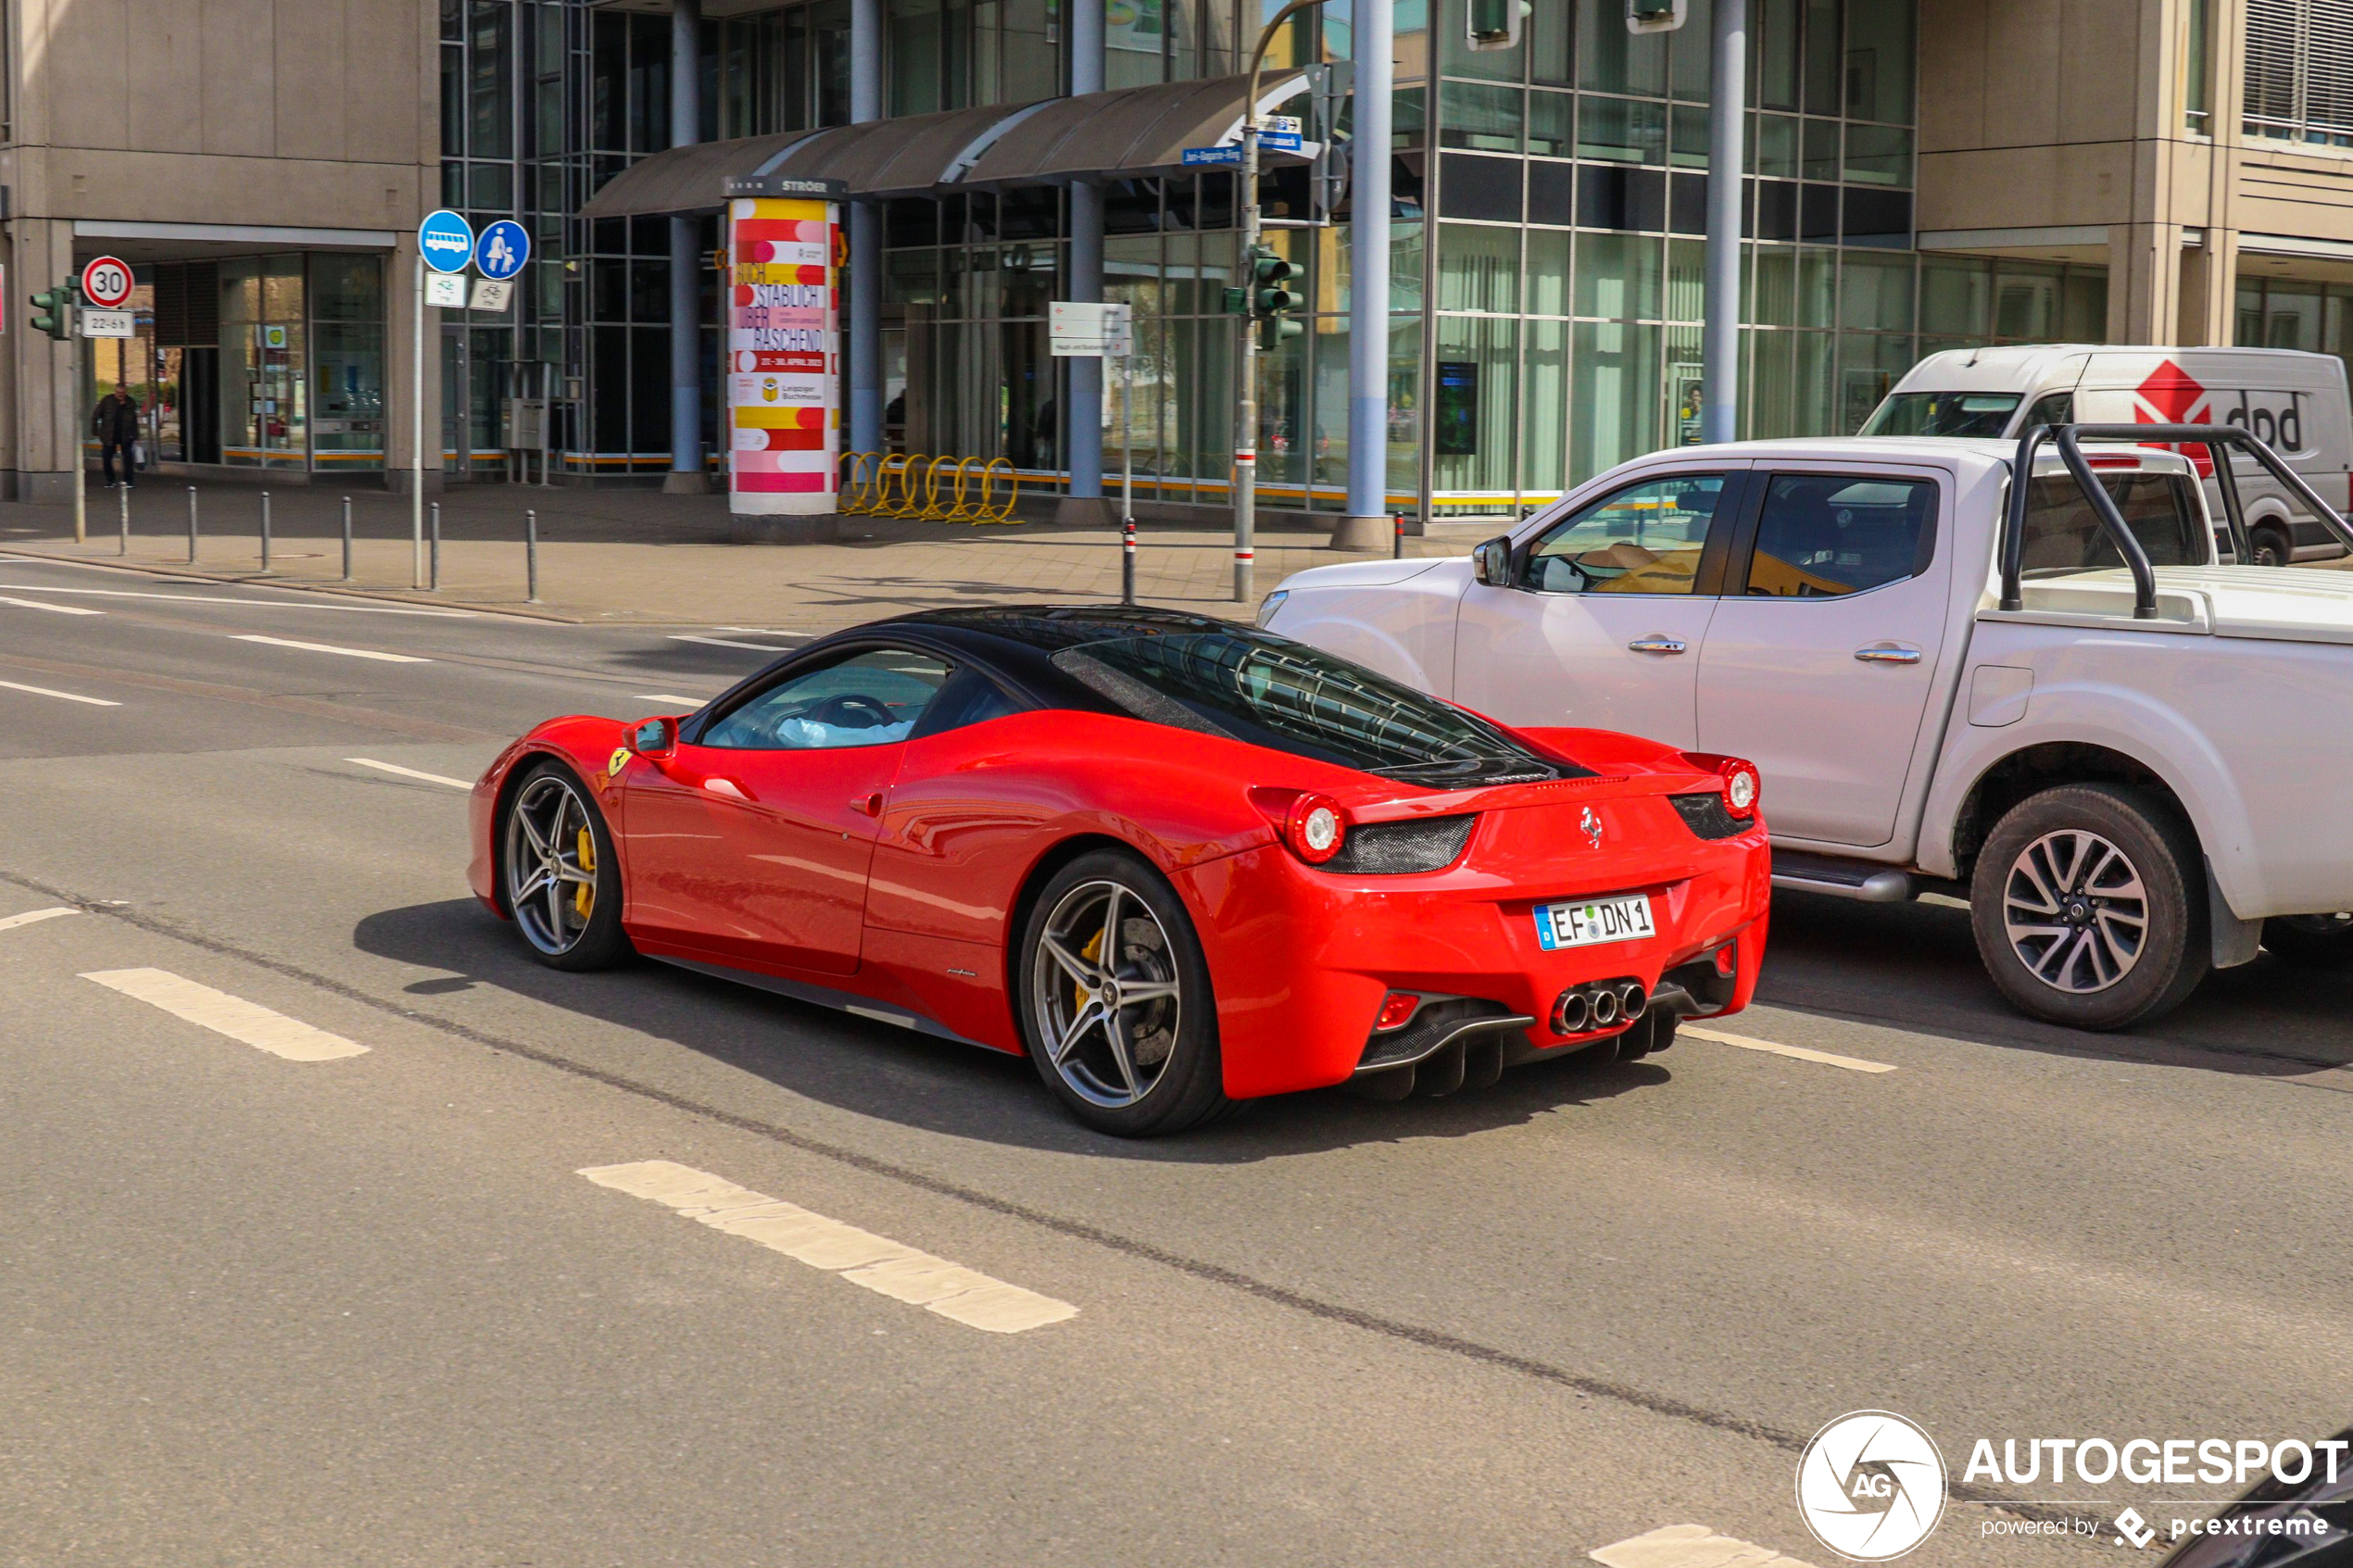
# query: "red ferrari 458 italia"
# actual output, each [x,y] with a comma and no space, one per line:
[1175,861]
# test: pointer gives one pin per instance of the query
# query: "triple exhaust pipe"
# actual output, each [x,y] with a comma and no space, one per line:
[1598,1004]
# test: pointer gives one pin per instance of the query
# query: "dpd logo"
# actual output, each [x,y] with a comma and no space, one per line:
[1870,1486]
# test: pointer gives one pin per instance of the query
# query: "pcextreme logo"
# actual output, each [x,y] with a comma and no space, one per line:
[1870,1486]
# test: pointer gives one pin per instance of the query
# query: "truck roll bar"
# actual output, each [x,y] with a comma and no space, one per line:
[2216,439]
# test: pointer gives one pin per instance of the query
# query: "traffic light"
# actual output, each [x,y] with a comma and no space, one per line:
[1271,300]
[57,312]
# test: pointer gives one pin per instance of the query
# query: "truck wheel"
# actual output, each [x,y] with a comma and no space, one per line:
[2316,941]
[2271,548]
[2088,909]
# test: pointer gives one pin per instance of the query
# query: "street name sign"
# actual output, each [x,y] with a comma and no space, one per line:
[1082,329]
[1196,158]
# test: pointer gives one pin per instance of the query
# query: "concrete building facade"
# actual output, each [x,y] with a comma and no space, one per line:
[263,164]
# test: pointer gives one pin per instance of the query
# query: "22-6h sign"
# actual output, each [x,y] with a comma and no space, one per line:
[106,282]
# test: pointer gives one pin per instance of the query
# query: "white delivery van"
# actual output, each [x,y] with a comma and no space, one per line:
[2296,403]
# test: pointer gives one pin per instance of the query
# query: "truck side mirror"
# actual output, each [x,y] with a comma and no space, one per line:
[1491,563]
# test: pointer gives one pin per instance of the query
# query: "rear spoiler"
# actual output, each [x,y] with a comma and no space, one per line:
[2216,439]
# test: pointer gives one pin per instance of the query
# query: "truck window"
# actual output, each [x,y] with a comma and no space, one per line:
[2063,533]
[1943,413]
[1826,535]
[1644,539]
[2057,409]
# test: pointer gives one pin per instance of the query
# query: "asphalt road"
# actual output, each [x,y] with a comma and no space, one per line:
[259,1310]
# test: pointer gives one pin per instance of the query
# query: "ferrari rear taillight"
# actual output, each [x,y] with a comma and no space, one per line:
[1396,1010]
[1742,783]
[1315,827]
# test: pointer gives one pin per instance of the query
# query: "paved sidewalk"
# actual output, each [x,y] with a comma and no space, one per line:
[642,557]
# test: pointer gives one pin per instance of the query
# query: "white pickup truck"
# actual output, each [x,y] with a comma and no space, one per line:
[2134,761]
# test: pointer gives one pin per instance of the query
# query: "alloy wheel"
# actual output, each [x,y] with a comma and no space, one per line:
[1106,991]
[551,864]
[2075,912]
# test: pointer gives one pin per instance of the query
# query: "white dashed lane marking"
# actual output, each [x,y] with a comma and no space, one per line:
[1691,1546]
[878,1263]
[53,610]
[250,1023]
[672,696]
[255,604]
[61,696]
[408,772]
[331,647]
[1852,1063]
[32,917]
[725,643]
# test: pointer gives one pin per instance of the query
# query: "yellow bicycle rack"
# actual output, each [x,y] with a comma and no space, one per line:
[923,488]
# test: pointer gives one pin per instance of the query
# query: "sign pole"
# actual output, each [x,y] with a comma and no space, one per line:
[417,432]
[1126,489]
[81,480]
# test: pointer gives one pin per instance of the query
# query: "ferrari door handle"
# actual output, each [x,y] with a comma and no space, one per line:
[1888,653]
[1658,642]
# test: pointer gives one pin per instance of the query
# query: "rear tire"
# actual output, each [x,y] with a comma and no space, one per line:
[2271,548]
[2313,941]
[2089,906]
[1113,999]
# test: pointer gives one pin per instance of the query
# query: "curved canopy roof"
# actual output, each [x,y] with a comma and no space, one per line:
[1124,132]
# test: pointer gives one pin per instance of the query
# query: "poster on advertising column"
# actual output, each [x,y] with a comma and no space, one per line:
[784,346]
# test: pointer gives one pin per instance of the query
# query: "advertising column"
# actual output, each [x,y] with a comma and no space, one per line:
[784,346]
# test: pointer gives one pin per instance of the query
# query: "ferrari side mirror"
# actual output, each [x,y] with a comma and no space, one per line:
[655,739]
[1491,563]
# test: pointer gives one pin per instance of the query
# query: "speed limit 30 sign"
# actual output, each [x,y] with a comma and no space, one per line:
[106,282]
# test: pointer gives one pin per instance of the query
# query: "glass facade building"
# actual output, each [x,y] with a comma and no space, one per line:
[1546,294]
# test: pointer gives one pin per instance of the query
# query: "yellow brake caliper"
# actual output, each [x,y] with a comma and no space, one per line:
[583,898]
[1090,952]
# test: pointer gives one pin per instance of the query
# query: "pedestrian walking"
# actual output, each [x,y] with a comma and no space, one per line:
[116,422]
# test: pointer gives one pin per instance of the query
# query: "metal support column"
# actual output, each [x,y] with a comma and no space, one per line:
[1368,523]
[865,240]
[687,475]
[1083,416]
[1720,338]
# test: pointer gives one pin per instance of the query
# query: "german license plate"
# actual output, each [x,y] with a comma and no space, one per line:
[1601,920]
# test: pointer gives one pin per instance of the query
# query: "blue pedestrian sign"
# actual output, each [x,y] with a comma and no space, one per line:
[446,241]
[503,249]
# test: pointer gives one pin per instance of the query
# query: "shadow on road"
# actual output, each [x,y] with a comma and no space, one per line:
[897,1076]
[1915,966]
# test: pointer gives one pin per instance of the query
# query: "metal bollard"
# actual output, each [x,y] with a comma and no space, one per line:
[1397,542]
[531,557]
[123,497]
[191,525]
[346,538]
[265,531]
[1127,562]
[432,554]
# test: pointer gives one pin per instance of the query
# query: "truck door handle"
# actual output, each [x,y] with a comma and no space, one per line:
[1657,642]
[1888,653]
